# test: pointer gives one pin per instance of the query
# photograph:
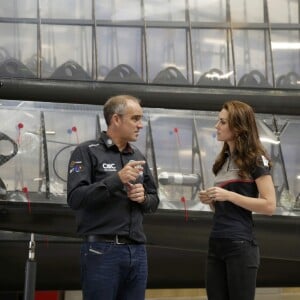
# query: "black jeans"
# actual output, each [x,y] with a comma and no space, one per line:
[231,269]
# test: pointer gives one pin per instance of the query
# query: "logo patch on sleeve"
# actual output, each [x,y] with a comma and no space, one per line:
[76,167]
[265,161]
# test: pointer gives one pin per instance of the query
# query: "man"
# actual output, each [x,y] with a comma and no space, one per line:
[110,187]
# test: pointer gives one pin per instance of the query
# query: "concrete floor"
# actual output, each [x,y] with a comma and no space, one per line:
[199,294]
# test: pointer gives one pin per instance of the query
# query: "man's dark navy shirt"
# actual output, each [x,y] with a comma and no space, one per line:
[97,195]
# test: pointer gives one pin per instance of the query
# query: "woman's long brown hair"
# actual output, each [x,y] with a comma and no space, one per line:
[248,148]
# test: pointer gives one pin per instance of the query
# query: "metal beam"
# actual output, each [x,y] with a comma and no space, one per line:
[273,101]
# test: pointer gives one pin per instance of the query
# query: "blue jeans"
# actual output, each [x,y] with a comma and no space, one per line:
[231,269]
[113,272]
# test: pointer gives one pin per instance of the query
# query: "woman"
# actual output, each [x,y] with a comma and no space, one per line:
[242,185]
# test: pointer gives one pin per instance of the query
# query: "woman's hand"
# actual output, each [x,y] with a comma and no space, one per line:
[205,197]
[218,194]
[213,194]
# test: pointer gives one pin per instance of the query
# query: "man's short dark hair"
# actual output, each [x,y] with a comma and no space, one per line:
[117,105]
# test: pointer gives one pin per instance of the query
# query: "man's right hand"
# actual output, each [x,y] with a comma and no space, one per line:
[131,171]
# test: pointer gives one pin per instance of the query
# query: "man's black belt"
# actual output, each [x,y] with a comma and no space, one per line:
[114,239]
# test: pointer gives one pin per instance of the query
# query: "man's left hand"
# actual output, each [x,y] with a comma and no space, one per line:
[136,192]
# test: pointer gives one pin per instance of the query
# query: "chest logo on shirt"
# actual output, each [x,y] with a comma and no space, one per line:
[109,167]
[76,166]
